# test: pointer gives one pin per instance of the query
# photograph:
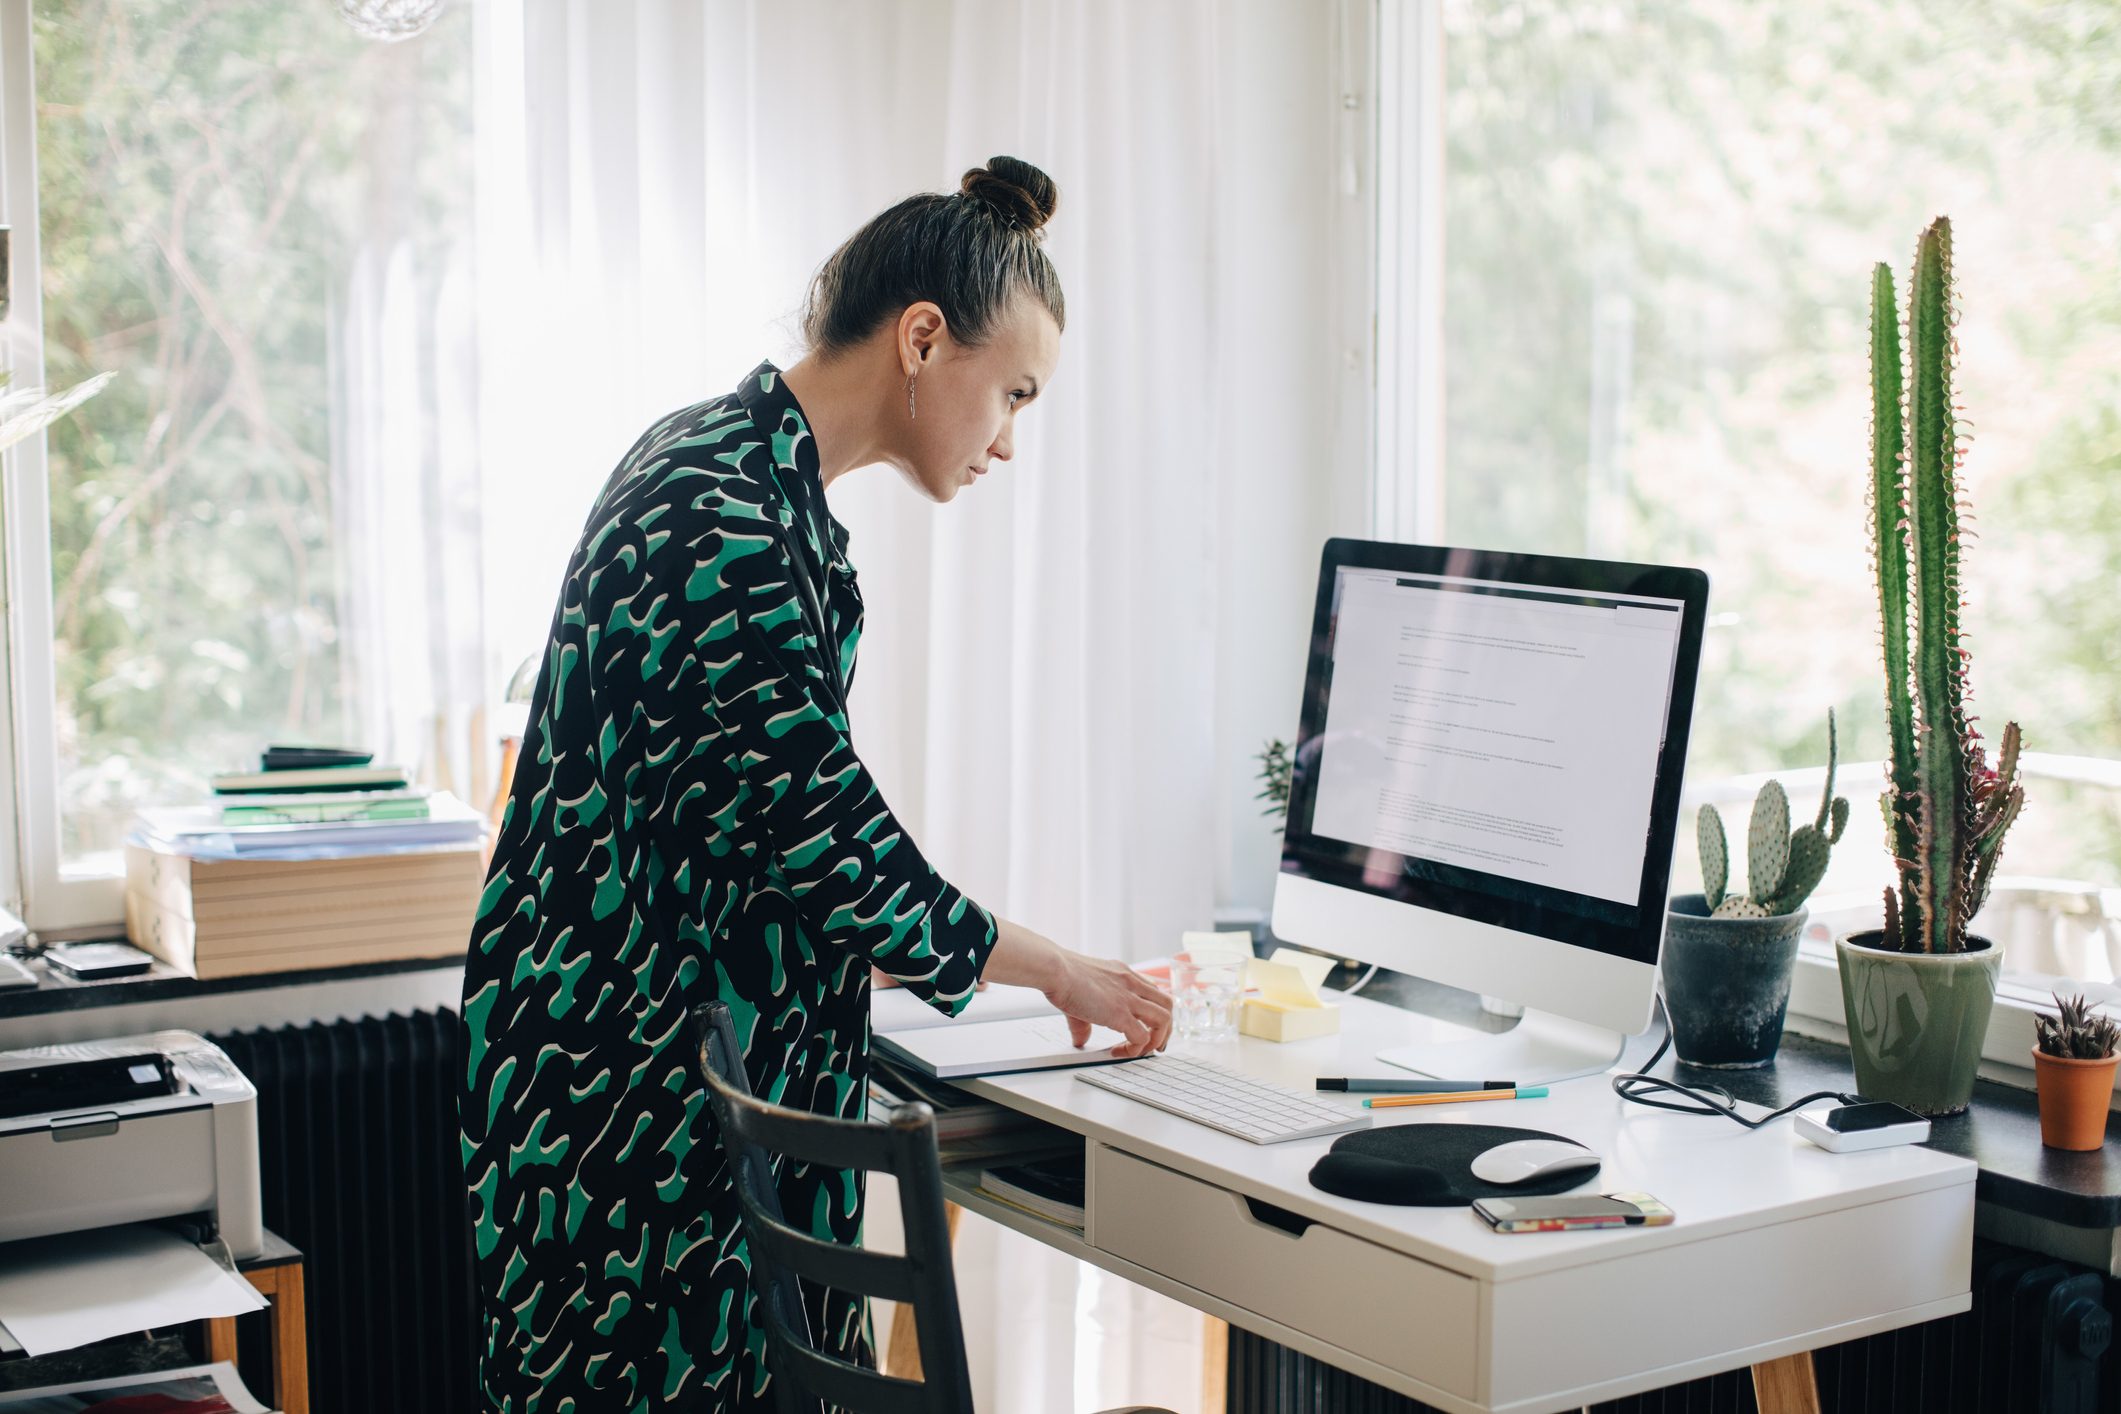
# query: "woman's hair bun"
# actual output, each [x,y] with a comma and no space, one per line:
[1019,194]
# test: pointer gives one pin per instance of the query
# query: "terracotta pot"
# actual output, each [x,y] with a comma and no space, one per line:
[1916,1020]
[2074,1095]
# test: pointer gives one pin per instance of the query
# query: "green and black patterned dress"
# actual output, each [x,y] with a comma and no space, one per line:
[688,821]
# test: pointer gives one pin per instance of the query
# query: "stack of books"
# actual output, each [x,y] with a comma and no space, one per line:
[1048,1186]
[966,1127]
[304,865]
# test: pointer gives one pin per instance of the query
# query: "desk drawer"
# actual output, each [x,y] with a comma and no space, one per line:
[1368,1300]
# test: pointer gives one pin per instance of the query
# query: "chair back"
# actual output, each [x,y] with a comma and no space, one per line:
[754,1133]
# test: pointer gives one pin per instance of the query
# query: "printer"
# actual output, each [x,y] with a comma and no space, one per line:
[132,1129]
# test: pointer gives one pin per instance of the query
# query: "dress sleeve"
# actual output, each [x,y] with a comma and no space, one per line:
[858,880]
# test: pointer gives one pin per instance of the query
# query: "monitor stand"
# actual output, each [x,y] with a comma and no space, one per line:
[1539,1050]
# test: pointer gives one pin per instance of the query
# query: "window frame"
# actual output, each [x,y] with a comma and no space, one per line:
[1407,486]
[50,898]
[1408,463]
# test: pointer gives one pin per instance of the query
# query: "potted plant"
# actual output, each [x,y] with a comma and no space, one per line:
[2073,1065]
[1276,771]
[1727,956]
[1917,993]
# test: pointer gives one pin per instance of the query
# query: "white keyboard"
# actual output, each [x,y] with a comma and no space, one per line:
[1224,1099]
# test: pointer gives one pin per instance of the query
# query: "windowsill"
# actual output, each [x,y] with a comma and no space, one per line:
[167,984]
[2021,1182]
[1816,1011]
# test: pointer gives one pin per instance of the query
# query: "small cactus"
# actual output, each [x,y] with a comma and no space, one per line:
[1715,854]
[1782,867]
[2076,1032]
[1808,851]
[1767,842]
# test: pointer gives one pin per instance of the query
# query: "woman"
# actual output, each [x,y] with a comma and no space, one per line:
[689,821]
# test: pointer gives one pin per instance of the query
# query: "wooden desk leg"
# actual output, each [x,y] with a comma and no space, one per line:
[1214,1365]
[290,1343]
[902,1357]
[221,1339]
[1786,1386]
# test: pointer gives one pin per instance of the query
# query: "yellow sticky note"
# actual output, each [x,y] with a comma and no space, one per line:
[1313,967]
[1290,978]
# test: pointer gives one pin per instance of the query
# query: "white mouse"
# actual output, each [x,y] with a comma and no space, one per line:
[1527,1159]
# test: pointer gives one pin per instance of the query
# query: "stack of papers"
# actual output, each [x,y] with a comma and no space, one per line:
[60,1292]
[194,1389]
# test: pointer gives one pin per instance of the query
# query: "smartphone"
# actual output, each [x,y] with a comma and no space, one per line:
[1567,1214]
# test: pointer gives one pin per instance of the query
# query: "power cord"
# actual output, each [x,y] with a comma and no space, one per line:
[1359,983]
[1709,1100]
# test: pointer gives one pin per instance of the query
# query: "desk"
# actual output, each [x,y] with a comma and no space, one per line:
[1779,1247]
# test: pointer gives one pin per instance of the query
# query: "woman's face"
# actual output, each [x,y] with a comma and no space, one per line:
[966,399]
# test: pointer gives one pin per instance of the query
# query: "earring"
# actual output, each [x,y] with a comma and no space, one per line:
[909,395]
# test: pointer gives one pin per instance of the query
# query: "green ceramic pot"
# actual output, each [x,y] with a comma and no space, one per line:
[1916,1020]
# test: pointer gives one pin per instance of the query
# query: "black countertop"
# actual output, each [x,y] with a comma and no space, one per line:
[164,983]
[2000,1131]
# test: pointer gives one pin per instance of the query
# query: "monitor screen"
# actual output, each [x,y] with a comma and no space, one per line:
[1498,736]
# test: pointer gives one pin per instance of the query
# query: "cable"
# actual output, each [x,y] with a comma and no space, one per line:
[1359,983]
[1637,1088]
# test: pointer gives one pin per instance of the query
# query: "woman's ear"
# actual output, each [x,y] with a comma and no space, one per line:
[921,330]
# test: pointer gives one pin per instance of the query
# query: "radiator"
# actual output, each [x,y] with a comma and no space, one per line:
[357,1132]
[2033,1343]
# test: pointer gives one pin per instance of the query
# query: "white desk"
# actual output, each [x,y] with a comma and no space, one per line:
[1779,1246]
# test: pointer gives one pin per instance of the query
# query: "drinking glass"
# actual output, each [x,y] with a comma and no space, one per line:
[1204,998]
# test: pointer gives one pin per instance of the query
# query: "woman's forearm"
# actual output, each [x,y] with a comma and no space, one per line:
[1024,958]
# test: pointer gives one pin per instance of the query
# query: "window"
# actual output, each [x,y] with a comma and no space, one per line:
[258,218]
[1657,225]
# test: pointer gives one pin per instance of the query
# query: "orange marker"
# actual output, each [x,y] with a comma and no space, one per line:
[1393,1102]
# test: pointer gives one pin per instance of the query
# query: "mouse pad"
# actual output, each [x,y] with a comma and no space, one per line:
[1430,1165]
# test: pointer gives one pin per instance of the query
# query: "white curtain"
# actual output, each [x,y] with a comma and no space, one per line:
[1039,684]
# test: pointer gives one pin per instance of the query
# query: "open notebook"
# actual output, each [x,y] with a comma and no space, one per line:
[894,1009]
[960,1049]
[1000,1030]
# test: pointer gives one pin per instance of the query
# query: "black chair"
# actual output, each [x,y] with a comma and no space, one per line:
[805,1378]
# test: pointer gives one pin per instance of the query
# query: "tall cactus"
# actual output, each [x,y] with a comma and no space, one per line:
[1946,811]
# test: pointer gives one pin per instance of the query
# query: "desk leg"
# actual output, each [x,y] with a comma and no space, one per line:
[902,1357]
[1787,1385]
[290,1343]
[221,1339]
[1214,1365]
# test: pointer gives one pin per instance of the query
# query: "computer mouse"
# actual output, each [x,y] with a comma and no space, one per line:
[1526,1159]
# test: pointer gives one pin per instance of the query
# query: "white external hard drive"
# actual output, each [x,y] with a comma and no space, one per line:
[1847,1128]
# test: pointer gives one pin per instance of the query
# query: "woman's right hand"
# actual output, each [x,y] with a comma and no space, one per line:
[1097,991]
[1089,991]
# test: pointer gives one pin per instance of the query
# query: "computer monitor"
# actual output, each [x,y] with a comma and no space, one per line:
[1486,785]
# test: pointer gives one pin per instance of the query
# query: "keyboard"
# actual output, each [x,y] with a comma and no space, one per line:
[1224,1099]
